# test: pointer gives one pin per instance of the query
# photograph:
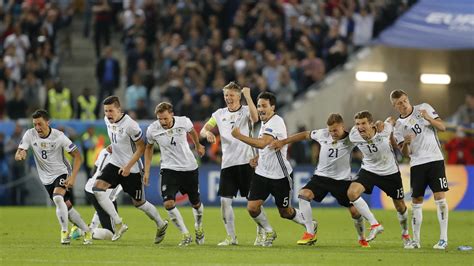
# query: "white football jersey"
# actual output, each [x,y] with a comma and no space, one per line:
[175,152]
[425,145]
[123,134]
[273,164]
[378,153]
[49,153]
[102,160]
[234,152]
[334,156]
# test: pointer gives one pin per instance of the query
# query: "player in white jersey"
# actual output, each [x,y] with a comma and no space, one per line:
[273,172]
[416,134]
[379,168]
[236,171]
[48,145]
[332,174]
[179,169]
[125,168]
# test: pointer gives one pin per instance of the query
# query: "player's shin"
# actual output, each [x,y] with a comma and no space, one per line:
[364,210]
[403,219]
[197,213]
[442,211]
[228,216]
[359,226]
[106,204]
[305,207]
[416,221]
[177,220]
[76,219]
[152,213]
[61,212]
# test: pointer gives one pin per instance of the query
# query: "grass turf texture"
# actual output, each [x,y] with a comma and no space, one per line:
[30,235]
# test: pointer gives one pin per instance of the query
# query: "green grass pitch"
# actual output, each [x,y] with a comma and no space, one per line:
[30,236]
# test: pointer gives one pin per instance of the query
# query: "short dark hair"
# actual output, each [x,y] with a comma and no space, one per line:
[41,113]
[162,107]
[396,94]
[364,114]
[334,119]
[233,86]
[112,100]
[267,96]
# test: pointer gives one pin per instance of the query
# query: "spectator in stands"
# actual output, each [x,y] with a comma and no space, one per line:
[86,105]
[460,149]
[102,24]
[135,92]
[465,113]
[60,103]
[204,109]
[34,92]
[17,106]
[285,88]
[18,40]
[17,168]
[363,25]
[186,106]
[139,51]
[108,76]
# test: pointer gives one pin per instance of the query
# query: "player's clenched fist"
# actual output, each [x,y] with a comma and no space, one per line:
[20,155]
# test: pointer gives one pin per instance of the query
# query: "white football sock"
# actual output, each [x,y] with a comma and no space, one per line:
[364,210]
[102,234]
[76,219]
[299,218]
[177,220]
[359,226]
[305,207]
[197,213]
[262,221]
[108,206]
[95,222]
[150,210]
[228,216]
[403,219]
[416,220]
[442,211]
[61,212]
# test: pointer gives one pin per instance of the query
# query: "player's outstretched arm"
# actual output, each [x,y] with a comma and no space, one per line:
[199,148]
[76,166]
[206,130]
[20,155]
[148,159]
[250,104]
[259,143]
[278,144]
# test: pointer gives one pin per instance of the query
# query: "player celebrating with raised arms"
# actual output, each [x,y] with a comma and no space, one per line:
[54,170]
[179,169]
[273,173]
[332,174]
[379,168]
[415,133]
[125,168]
[236,171]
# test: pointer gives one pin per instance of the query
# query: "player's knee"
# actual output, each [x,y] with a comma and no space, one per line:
[286,213]
[417,200]
[400,205]
[197,205]
[352,194]
[138,203]
[169,204]
[253,210]
[306,194]
[58,199]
